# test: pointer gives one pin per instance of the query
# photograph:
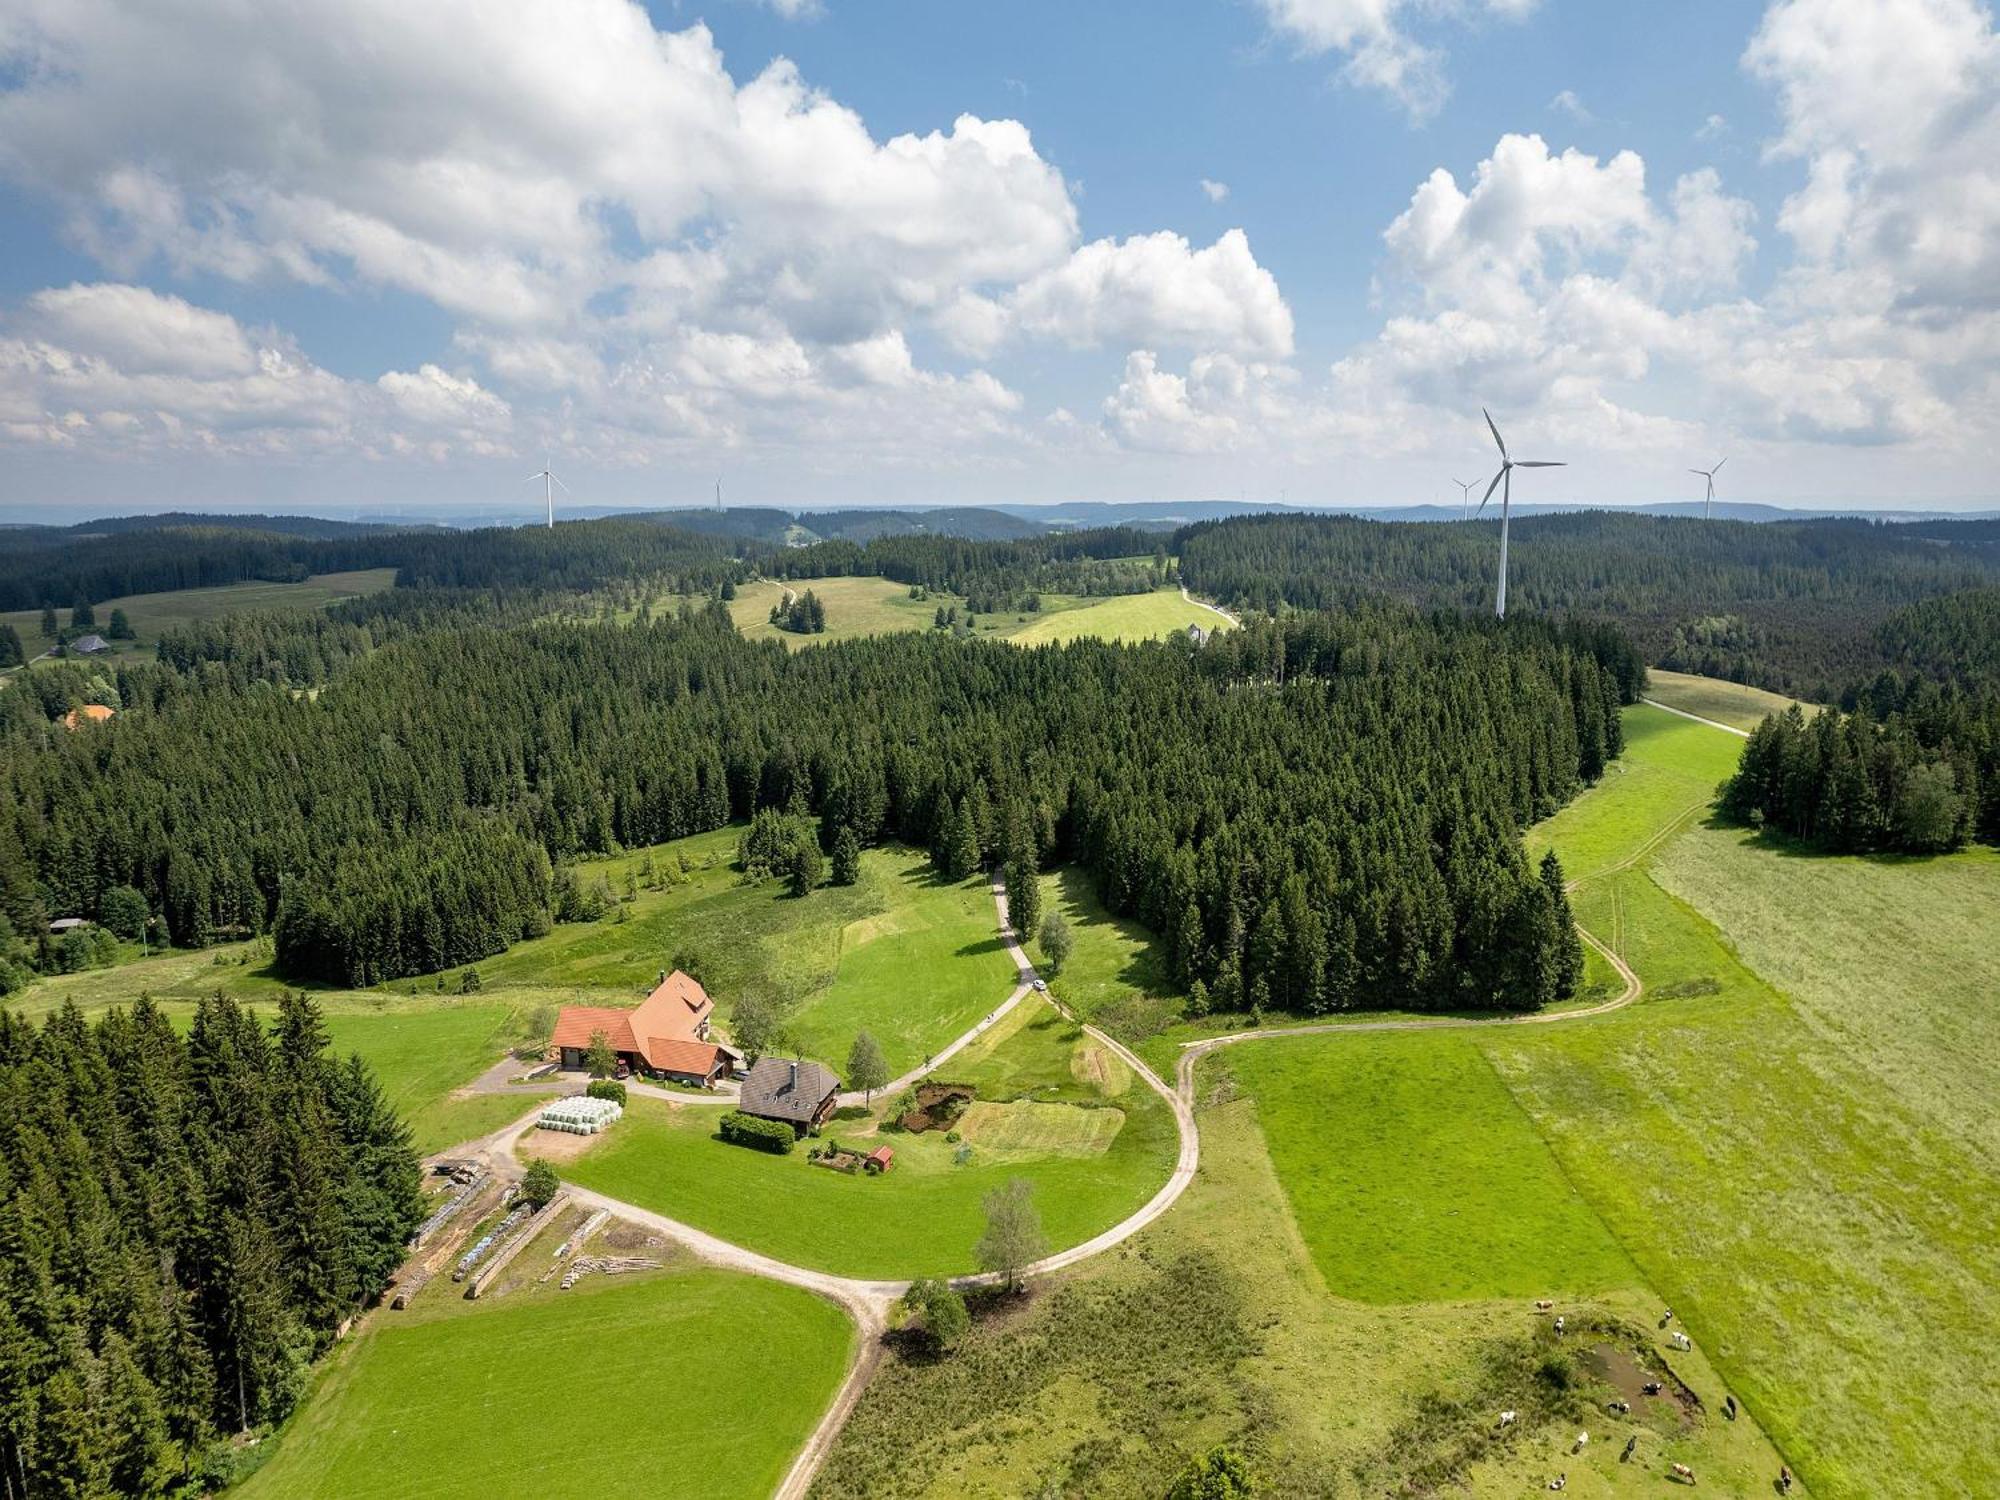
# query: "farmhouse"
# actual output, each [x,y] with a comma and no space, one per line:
[801,1094]
[88,645]
[666,1036]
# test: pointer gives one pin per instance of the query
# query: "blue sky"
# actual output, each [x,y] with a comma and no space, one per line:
[366,255]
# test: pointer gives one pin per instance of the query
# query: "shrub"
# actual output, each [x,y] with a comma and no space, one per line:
[540,1184]
[766,1135]
[951,1137]
[606,1088]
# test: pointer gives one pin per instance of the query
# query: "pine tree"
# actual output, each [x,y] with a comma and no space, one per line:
[1024,901]
[846,857]
[1569,959]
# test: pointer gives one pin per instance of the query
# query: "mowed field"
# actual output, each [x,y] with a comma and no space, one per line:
[1731,703]
[1124,617]
[151,614]
[692,1382]
[924,1215]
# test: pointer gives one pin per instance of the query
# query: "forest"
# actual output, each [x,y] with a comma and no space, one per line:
[1357,842]
[1909,761]
[1789,606]
[189,1222]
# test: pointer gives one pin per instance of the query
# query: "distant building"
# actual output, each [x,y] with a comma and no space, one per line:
[1197,635]
[665,1036]
[88,645]
[799,1093]
[90,713]
[68,924]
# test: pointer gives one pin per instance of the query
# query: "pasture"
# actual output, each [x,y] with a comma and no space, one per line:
[1413,1176]
[923,1216]
[1733,703]
[1122,617]
[481,1399]
[152,614]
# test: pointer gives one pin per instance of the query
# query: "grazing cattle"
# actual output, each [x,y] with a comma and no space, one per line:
[1784,1480]
[1582,1442]
[1623,1408]
[1631,1446]
[1729,1407]
[1560,1482]
[1683,1473]
[1507,1418]
[1681,1340]
[1544,1305]
[1559,1323]
[1666,1317]
[1651,1388]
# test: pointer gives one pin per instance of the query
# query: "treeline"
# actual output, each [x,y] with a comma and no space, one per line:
[571,557]
[1787,605]
[1910,761]
[1313,813]
[190,1220]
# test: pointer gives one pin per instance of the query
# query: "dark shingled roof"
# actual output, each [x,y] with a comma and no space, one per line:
[771,1090]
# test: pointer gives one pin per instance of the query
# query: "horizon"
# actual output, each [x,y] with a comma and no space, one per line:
[1287,247]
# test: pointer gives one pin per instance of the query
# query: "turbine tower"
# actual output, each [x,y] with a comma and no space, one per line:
[549,482]
[1504,482]
[1708,504]
[718,492]
[1465,489]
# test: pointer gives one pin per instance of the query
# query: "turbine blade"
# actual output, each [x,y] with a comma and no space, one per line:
[1490,489]
[1702,472]
[1718,466]
[559,484]
[1494,430]
[531,478]
[1533,463]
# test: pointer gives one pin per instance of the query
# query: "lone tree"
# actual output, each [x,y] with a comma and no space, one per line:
[867,1069]
[1024,900]
[600,1060]
[540,1183]
[81,615]
[1569,947]
[1013,1240]
[846,857]
[805,866]
[48,622]
[941,1308]
[120,628]
[1056,941]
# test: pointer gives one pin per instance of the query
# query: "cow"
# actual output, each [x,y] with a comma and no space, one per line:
[1507,1418]
[1582,1442]
[1684,1474]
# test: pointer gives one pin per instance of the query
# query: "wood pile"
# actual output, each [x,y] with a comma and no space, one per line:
[608,1265]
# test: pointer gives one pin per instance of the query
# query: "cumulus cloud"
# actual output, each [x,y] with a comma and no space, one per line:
[1214,191]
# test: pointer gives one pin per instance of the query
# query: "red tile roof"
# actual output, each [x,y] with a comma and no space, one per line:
[671,1019]
[882,1155]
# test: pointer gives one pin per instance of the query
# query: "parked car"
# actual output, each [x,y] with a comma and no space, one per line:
[1042,985]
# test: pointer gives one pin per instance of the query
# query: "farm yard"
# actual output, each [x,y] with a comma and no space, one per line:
[1093,1152]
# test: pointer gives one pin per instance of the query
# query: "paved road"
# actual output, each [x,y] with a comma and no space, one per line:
[1214,609]
[1741,734]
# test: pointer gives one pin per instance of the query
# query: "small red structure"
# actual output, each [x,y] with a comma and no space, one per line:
[879,1159]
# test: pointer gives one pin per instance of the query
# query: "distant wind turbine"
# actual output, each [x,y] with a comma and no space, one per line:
[1708,504]
[549,481]
[1465,489]
[1504,482]
[718,492]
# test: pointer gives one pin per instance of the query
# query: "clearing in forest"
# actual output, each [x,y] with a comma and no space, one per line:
[1733,703]
[1121,617]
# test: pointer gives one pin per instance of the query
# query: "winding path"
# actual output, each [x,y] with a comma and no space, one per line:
[1214,609]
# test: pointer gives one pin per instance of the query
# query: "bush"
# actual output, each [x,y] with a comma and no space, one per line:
[606,1088]
[951,1137]
[540,1184]
[766,1135]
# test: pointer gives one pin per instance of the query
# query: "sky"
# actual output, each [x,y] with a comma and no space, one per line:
[357,256]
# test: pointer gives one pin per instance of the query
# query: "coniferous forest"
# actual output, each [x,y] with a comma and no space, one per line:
[188,1221]
[1315,813]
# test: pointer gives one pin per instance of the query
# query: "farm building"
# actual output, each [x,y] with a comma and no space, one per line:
[88,645]
[666,1036]
[799,1093]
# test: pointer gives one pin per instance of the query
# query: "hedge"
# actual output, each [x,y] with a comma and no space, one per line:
[767,1135]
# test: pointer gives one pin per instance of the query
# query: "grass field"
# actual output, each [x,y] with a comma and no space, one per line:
[1415,1177]
[1730,703]
[924,1215]
[1126,617]
[695,1382]
[152,614]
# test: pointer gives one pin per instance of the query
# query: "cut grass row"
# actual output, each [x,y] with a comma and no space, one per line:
[1733,703]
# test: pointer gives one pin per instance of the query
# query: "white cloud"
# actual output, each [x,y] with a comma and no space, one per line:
[1568,103]
[142,331]
[1375,38]
[1214,191]
[1156,288]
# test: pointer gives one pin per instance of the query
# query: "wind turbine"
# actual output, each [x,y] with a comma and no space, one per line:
[1709,474]
[718,492]
[1465,489]
[1504,482]
[549,481]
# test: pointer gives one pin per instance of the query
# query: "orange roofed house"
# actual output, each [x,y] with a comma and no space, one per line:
[667,1036]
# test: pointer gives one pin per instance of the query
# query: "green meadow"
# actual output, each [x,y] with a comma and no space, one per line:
[1733,703]
[924,1215]
[153,614]
[1122,617]
[693,1382]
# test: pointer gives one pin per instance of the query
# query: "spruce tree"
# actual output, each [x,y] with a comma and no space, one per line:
[846,857]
